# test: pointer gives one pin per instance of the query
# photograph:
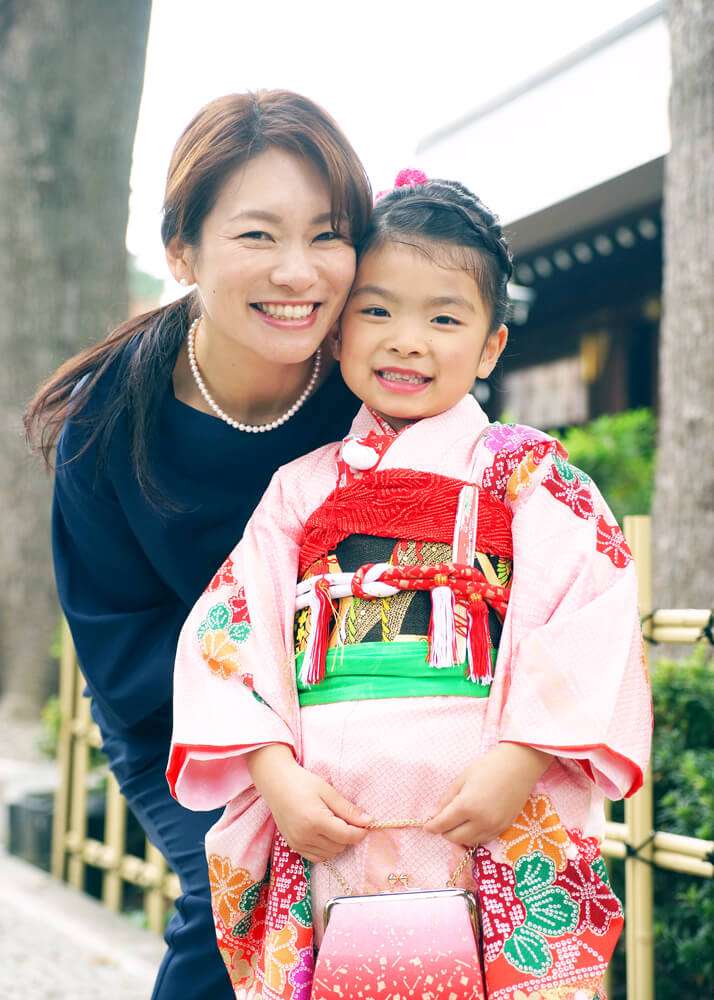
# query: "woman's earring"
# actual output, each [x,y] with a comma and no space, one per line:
[183,281]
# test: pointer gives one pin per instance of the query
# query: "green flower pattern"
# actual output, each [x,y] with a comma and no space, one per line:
[570,472]
[220,617]
[550,912]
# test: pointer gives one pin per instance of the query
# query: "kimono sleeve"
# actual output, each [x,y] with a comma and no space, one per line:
[576,684]
[234,685]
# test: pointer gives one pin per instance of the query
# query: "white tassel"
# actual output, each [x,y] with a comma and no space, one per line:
[442,629]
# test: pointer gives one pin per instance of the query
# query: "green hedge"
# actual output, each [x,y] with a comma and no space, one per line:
[683,769]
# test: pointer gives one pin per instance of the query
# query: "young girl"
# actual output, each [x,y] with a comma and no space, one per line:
[420,691]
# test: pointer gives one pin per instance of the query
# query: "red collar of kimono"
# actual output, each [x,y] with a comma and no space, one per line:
[403,504]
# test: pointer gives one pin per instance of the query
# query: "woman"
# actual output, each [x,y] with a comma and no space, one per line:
[168,432]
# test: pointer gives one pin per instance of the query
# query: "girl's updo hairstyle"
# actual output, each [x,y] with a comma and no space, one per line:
[446,221]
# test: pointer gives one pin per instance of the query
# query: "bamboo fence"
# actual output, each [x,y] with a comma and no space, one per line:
[634,841]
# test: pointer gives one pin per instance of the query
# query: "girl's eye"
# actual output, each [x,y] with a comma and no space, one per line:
[379,311]
[255,235]
[446,321]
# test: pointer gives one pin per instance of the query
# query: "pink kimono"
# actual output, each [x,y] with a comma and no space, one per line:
[390,668]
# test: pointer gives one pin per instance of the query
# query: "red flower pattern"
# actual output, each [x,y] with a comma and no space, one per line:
[224,576]
[501,910]
[574,494]
[289,883]
[588,847]
[495,478]
[598,903]
[239,608]
[611,542]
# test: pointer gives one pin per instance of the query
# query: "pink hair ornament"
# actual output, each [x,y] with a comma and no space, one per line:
[409,177]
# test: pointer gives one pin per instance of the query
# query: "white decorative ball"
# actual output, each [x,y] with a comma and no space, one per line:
[359,456]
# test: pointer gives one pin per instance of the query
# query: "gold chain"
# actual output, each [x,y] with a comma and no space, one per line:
[400,824]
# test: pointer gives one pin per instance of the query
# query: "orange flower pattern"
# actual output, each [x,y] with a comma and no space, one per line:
[227,886]
[281,956]
[220,653]
[538,828]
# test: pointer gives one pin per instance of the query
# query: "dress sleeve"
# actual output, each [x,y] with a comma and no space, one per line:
[123,619]
[575,680]
[234,681]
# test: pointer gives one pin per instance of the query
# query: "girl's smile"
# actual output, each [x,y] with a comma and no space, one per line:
[415,334]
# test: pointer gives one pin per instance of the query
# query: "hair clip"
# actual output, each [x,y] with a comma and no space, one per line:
[409,177]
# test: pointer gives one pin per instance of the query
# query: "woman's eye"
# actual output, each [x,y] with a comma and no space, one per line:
[379,311]
[446,321]
[328,236]
[255,235]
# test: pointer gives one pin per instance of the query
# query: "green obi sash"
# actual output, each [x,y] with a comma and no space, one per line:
[369,670]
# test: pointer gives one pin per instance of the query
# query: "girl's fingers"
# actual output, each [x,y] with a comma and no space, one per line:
[343,809]
[465,834]
[341,834]
[450,794]
[451,816]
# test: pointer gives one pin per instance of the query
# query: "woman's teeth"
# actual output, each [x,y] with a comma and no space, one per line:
[285,311]
[399,377]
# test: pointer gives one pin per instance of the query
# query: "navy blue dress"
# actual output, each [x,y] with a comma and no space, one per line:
[127,576]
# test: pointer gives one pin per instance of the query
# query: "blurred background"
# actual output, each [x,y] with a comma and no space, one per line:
[588,127]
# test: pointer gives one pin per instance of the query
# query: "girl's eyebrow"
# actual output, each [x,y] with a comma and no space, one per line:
[374,290]
[441,300]
[451,300]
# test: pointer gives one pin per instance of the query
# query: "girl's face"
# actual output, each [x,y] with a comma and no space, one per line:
[272,274]
[414,335]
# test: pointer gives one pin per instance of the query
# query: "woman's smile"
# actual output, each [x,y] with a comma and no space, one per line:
[287,315]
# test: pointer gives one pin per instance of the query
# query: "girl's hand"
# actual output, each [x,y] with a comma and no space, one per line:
[489,795]
[315,820]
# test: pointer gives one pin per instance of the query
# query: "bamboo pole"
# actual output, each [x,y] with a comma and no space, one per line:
[154,898]
[681,618]
[60,816]
[115,840]
[639,883]
[80,769]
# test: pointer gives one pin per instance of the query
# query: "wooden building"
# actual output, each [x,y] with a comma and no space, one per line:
[578,179]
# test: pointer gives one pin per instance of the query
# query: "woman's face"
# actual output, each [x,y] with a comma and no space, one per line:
[272,274]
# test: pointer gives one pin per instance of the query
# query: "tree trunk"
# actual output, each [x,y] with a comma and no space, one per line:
[684,491]
[71,74]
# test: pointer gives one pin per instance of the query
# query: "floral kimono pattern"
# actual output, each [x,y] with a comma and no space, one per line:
[561,682]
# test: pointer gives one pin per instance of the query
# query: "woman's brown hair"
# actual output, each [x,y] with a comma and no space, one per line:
[223,135]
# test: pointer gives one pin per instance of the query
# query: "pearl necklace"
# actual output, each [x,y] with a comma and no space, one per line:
[247,428]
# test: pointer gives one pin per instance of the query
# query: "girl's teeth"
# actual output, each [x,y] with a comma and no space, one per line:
[286,311]
[398,377]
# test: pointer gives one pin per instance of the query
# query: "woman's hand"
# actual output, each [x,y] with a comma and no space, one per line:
[315,820]
[488,796]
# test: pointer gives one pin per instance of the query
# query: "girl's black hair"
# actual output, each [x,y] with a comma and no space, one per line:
[445,212]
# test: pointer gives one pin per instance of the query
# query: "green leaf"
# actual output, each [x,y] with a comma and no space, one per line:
[551,910]
[528,951]
[533,871]
[218,617]
[239,632]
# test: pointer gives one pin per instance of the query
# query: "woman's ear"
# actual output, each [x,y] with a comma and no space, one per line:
[180,258]
[492,351]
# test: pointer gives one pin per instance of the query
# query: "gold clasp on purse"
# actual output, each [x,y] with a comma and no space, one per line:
[395,880]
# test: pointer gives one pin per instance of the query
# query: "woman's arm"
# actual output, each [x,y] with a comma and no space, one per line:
[124,621]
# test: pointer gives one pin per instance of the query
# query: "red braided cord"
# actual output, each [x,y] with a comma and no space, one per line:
[403,504]
[467,582]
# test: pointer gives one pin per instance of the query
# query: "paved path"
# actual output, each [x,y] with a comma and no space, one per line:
[57,944]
